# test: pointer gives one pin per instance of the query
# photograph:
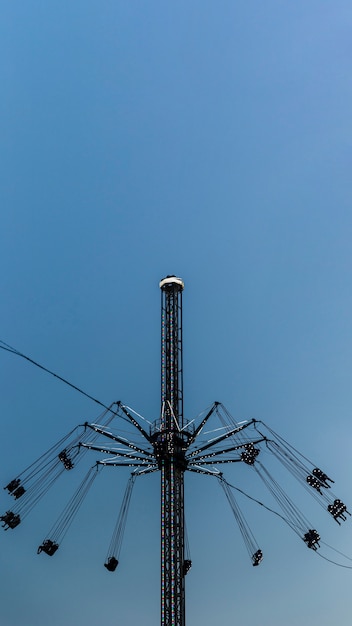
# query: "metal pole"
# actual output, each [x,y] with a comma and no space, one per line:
[171,455]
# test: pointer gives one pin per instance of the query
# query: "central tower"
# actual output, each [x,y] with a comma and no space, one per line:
[170,448]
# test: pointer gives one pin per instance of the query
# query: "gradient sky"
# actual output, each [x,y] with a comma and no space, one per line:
[212,140]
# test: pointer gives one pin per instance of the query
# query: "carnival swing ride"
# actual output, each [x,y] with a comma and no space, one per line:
[172,446]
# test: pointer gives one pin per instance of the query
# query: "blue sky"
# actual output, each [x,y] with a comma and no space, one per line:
[210,140]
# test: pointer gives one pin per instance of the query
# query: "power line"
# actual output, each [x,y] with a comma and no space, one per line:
[8,348]
[287,522]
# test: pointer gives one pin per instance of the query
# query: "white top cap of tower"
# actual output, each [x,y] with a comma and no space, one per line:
[171,280]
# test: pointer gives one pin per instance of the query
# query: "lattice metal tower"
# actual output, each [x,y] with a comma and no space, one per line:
[171,447]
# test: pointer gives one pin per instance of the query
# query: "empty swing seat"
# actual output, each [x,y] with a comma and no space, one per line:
[111,564]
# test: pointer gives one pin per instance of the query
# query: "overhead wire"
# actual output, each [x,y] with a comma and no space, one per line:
[284,519]
[313,479]
[295,517]
[334,562]
[322,493]
[338,552]
[225,418]
[8,348]
[247,535]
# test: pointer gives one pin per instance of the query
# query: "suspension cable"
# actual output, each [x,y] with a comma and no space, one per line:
[249,540]
[112,557]
[61,526]
[295,517]
[29,487]
[284,519]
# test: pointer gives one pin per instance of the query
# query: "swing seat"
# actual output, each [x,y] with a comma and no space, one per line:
[10,519]
[111,564]
[49,547]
